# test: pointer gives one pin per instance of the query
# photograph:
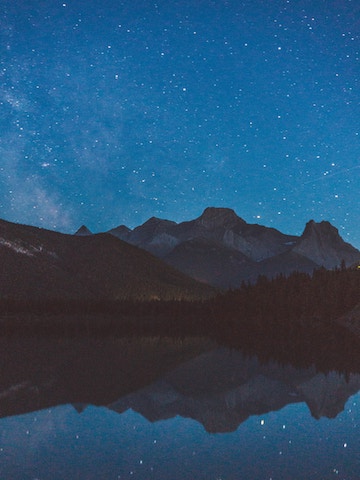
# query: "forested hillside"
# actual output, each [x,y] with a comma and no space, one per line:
[325,296]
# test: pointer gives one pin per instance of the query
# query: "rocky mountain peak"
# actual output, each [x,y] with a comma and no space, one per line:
[322,243]
[83,231]
[213,217]
[321,230]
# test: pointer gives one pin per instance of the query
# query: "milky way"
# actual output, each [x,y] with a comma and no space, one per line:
[112,112]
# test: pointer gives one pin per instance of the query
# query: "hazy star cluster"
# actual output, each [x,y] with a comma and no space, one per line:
[114,111]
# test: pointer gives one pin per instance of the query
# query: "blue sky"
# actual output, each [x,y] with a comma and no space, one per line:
[115,111]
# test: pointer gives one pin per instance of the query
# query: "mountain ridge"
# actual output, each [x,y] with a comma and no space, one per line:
[161,259]
[252,249]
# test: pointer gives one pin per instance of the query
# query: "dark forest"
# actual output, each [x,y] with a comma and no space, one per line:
[292,319]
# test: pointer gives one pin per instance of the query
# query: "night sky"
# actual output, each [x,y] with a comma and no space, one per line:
[115,111]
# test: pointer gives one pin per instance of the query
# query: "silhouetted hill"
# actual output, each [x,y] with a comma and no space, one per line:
[38,263]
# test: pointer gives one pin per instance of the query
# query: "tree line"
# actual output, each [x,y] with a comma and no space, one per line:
[292,317]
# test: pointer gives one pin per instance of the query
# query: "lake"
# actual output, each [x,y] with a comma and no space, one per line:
[156,408]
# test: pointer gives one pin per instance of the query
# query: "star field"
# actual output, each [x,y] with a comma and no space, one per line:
[114,111]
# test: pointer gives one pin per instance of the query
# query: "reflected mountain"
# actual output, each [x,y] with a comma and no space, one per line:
[162,378]
[222,388]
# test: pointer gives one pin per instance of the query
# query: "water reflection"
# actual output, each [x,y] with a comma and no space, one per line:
[221,389]
[159,399]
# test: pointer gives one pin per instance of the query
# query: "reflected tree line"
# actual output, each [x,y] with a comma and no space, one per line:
[291,319]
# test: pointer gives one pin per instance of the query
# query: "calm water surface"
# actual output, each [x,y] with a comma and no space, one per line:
[194,412]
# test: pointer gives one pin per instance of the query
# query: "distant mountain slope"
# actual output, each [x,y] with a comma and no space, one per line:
[221,249]
[209,261]
[37,263]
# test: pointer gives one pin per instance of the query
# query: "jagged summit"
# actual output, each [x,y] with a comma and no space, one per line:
[213,217]
[322,233]
[83,231]
[323,228]
[322,243]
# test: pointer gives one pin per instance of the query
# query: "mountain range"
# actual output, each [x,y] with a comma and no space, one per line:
[221,249]
[160,259]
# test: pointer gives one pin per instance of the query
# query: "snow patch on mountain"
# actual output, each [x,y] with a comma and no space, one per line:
[17,247]
[28,250]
